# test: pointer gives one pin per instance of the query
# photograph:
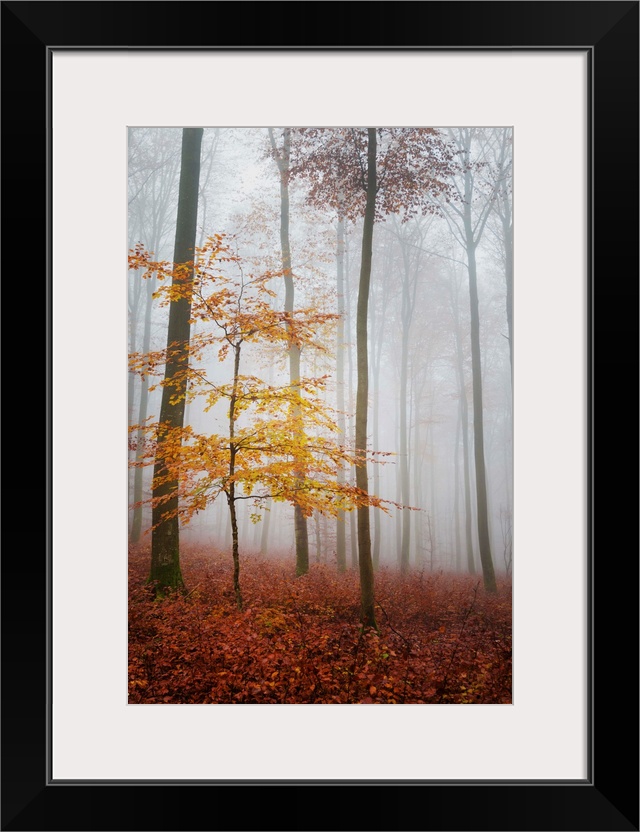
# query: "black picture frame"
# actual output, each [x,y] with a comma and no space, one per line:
[608,798]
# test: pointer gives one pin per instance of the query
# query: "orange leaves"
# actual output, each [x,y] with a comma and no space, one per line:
[264,440]
[274,441]
[298,640]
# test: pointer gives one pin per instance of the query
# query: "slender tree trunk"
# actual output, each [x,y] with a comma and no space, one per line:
[417,481]
[231,488]
[165,544]
[231,501]
[245,524]
[464,426]
[468,512]
[341,538]
[398,512]
[409,290]
[456,495]
[503,207]
[226,529]
[353,539]
[478,423]
[266,519]
[353,532]
[365,562]
[404,450]
[406,316]
[507,230]
[136,527]
[133,321]
[430,533]
[318,537]
[376,470]
[268,505]
[134,292]
[378,329]
[432,490]
[283,161]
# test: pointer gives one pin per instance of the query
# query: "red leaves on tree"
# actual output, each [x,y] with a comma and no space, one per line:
[415,166]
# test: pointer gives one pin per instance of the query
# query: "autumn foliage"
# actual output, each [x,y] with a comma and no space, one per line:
[278,442]
[442,639]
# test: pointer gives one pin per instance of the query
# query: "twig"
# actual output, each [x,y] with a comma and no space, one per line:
[453,655]
[408,653]
[192,591]
[392,628]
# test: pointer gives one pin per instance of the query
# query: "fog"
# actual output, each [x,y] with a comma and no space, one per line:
[420,418]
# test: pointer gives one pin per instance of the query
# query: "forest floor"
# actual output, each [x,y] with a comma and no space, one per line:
[442,639]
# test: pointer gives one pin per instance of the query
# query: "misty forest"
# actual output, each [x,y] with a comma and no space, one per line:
[320,415]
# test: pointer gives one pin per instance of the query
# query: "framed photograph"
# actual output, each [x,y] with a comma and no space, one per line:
[80,752]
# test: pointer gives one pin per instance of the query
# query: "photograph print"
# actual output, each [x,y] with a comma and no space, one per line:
[320,415]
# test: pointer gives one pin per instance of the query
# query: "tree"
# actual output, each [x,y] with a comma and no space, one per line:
[281,442]
[501,168]
[154,161]
[341,541]
[379,315]
[463,418]
[411,260]
[371,173]
[468,220]
[365,561]
[165,545]
[283,160]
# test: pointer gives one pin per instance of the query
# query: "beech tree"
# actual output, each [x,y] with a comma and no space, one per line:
[282,157]
[468,219]
[281,442]
[165,545]
[341,537]
[371,173]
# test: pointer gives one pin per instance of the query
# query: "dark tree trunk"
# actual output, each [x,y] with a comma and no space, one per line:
[364,536]
[353,532]
[378,329]
[235,551]
[165,544]
[231,489]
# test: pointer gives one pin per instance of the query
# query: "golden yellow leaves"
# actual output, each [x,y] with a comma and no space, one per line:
[264,439]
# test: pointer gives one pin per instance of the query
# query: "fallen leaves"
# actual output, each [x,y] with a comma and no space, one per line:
[441,640]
